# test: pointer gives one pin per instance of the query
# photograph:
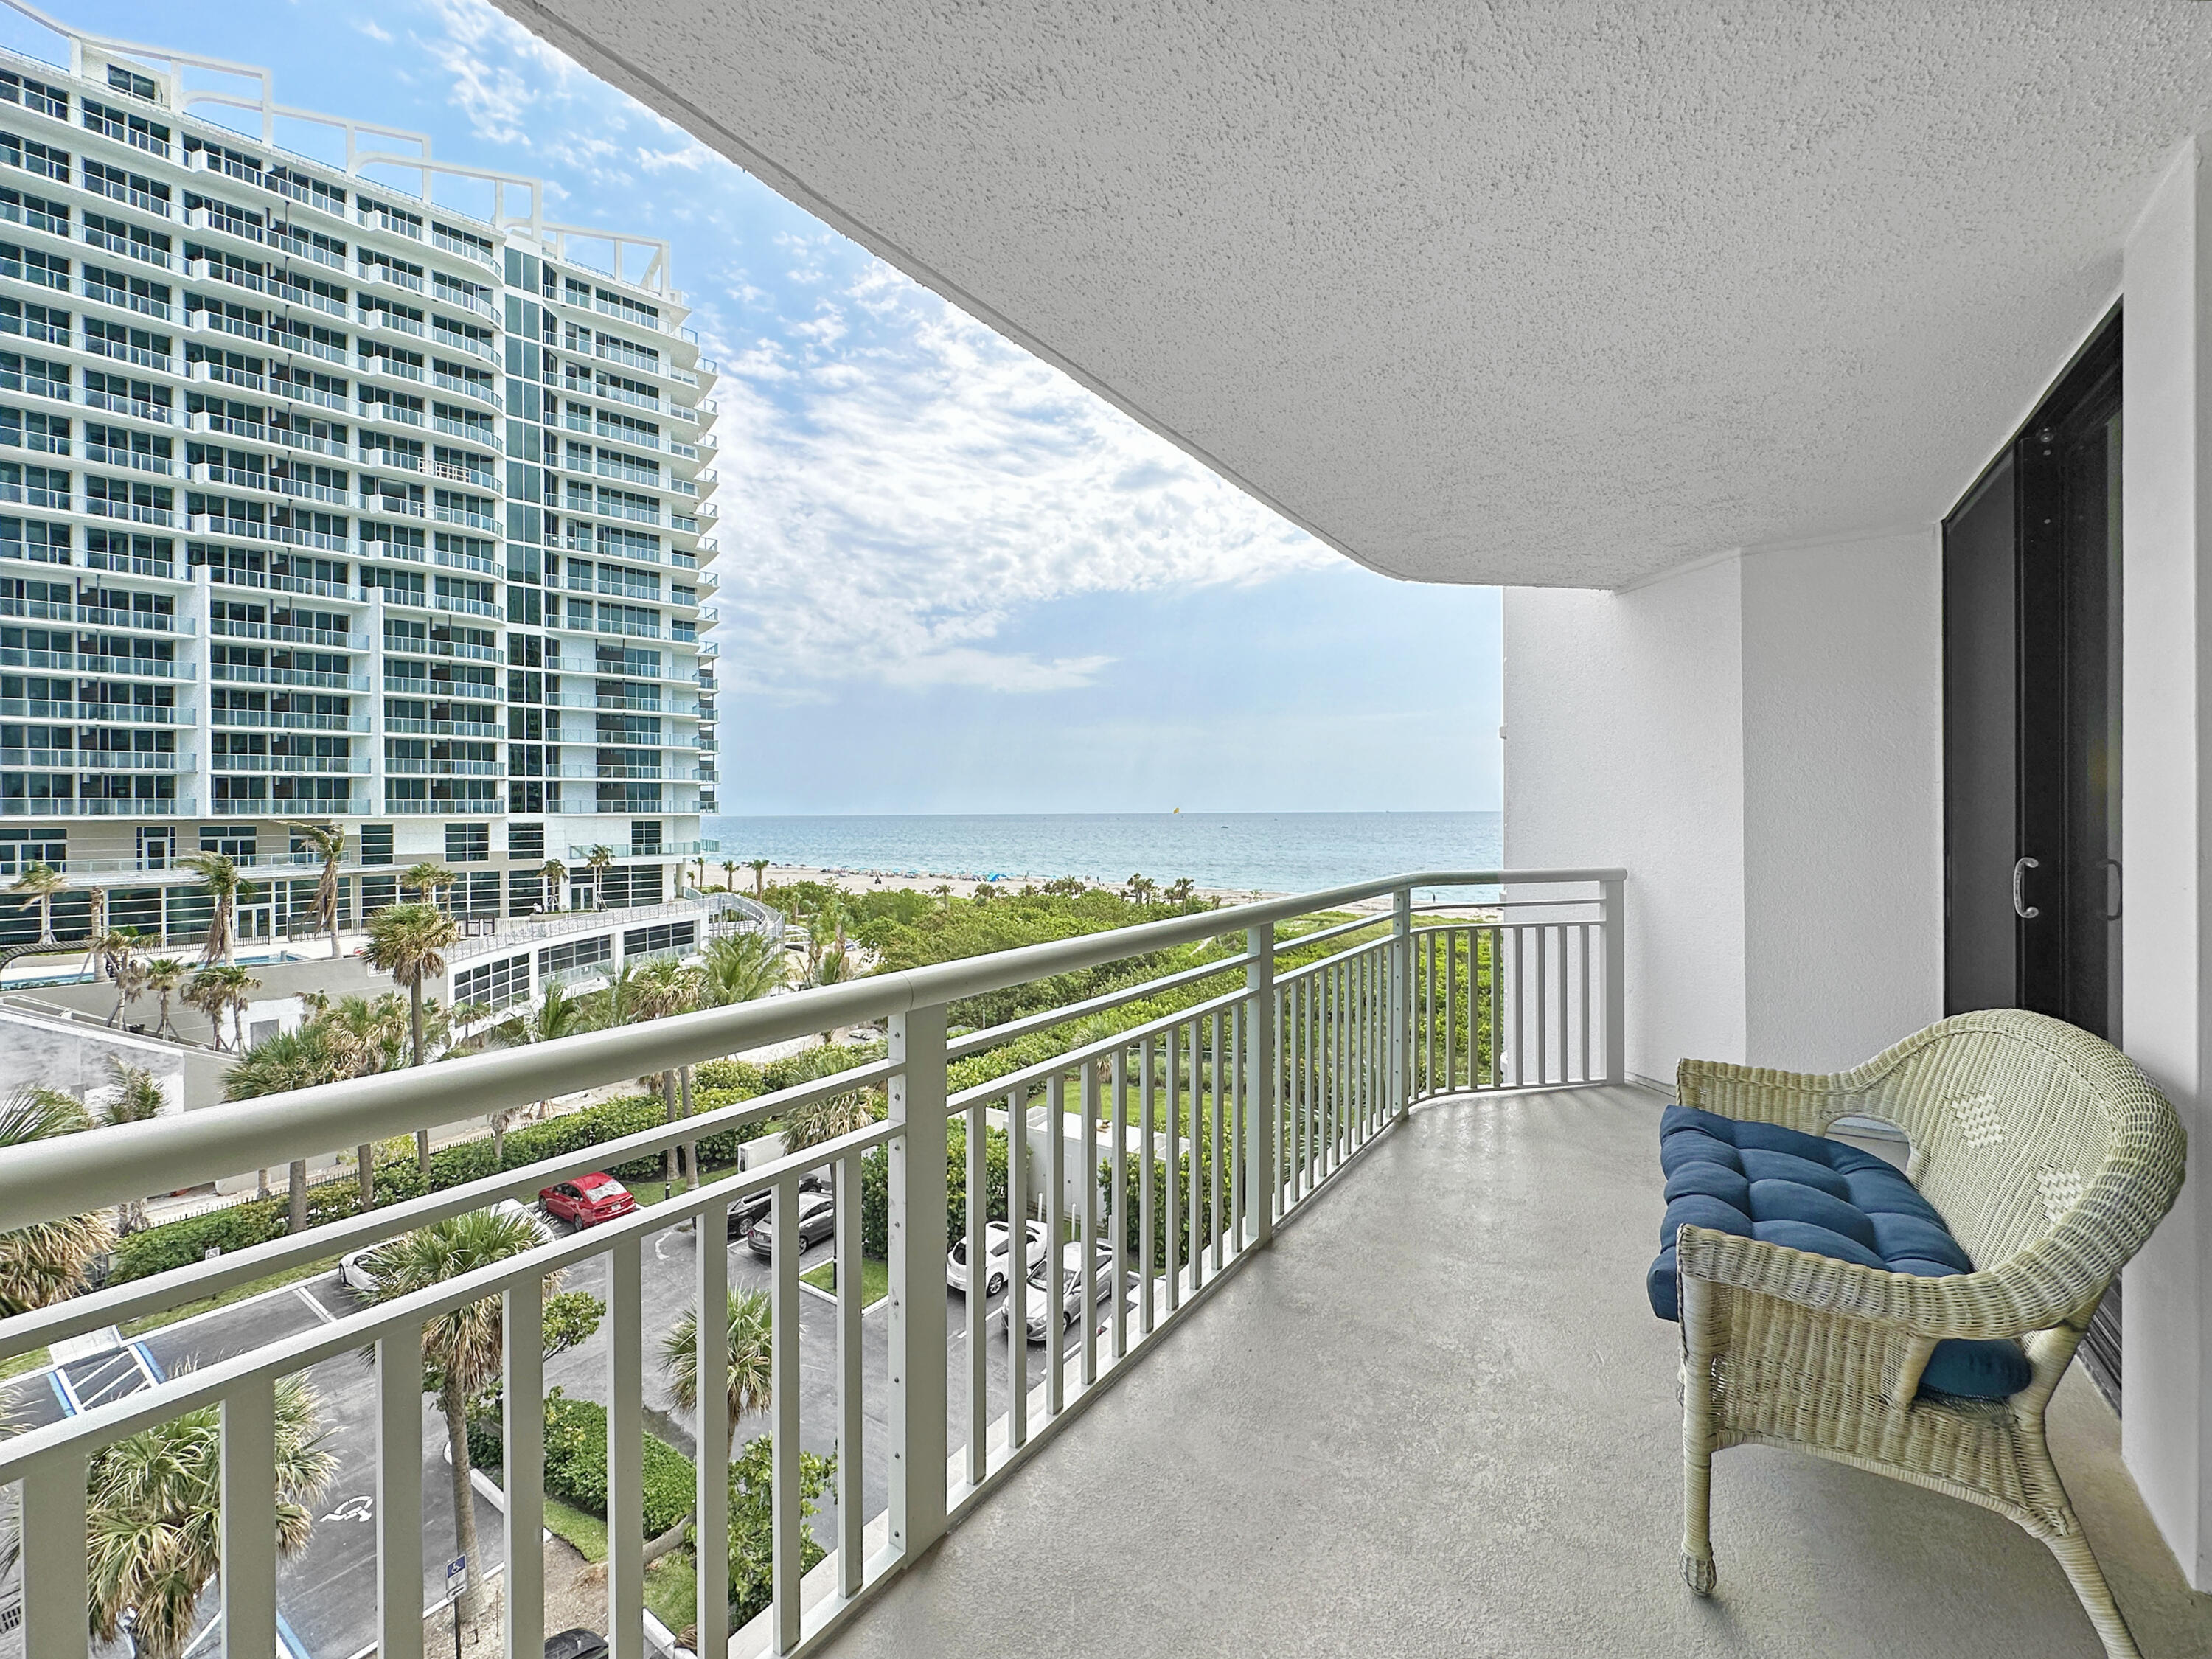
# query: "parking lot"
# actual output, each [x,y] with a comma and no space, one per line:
[327,1594]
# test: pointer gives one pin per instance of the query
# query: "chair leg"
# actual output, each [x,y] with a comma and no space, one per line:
[1698,1572]
[2087,1578]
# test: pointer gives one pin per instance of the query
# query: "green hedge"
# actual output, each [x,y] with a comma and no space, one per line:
[176,1243]
[875,1189]
[576,1462]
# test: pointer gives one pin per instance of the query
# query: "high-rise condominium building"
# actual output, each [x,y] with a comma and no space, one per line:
[322,502]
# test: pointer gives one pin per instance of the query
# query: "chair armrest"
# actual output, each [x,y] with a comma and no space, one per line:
[1758,1094]
[2005,1301]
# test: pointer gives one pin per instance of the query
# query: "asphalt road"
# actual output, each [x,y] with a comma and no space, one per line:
[327,1594]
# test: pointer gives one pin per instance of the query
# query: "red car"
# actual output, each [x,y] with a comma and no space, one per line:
[586,1200]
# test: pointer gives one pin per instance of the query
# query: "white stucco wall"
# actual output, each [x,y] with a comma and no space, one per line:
[1624,719]
[2167,1430]
[1759,740]
[1843,698]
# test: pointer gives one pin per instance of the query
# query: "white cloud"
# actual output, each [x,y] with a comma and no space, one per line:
[373,30]
[500,71]
[896,501]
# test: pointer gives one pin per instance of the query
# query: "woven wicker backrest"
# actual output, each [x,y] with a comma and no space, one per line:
[2025,1131]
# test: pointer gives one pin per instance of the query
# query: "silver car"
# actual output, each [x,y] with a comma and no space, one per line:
[997,1254]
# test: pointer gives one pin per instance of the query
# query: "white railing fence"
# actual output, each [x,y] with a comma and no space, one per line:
[1252,1077]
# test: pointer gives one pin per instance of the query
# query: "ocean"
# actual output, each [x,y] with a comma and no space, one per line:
[1266,852]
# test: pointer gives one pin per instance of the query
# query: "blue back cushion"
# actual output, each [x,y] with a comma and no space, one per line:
[1761,1181]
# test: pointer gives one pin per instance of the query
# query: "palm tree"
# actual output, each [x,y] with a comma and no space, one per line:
[207,992]
[429,878]
[409,942]
[365,1037]
[218,873]
[749,1377]
[556,1015]
[163,976]
[224,990]
[1140,889]
[326,842]
[742,968]
[154,1517]
[47,1262]
[278,1064]
[661,987]
[460,1349]
[599,861]
[759,867]
[555,875]
[729,875]
[131,973]
[817,1121]
[40,881]
[138,1096]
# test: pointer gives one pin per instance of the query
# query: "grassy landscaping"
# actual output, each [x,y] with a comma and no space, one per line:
[586,1534]
[32,1361]
[671,1590]
[875,1279]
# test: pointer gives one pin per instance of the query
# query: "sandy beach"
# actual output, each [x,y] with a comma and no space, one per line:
[961,883]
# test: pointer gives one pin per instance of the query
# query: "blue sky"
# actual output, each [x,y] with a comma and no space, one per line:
[952,580]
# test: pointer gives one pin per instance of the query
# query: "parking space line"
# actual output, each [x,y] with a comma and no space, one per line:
[313,1306]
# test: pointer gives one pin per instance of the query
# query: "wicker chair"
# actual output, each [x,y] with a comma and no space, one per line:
[2051,1156]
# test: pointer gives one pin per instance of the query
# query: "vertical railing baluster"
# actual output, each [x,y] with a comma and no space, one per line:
[1147,1126]
[522,1436]
[1087,1084]
[1217,1106]
[784,1519]
[1055,1229]
[852,1384]
[1613,901]
[979,1346]
[1451,1005]
[53,1561]
[1119,1222]
[1173,1185]
[1543,1005]
[916,1436]
[249,1520]
[398,1494]
[1016,1305]
[625,1452]
[1239,1174]
[1199,1219]
[1588,1072]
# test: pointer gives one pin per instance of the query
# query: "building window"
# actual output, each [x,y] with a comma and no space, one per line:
[20,847]
[525,893]
[233,841]
[376,844]
[575,953]
[482,893]
[644,838]
[496,984]
[525,842]
[468,843]
[378,893]
[157,846]
[667,936]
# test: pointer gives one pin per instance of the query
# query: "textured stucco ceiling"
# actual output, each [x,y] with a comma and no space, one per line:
[1527,292]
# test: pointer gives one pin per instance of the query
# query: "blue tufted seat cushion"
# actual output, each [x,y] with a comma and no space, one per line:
[1761,1181]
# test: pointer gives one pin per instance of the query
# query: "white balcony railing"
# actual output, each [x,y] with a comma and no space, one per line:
[1278,1063]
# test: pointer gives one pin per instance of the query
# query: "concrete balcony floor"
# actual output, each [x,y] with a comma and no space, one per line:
[1439,1418]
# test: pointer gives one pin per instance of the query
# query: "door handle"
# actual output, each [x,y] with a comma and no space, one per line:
[2020,907]
[2112,884]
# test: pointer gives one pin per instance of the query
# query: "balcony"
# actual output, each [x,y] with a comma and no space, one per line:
[1404,1349]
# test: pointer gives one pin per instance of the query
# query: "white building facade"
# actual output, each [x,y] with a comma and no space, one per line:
[321,501]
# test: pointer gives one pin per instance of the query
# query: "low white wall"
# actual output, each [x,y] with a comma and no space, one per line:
[63,1054]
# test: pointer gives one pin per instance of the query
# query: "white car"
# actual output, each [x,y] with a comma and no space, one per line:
[997,1249]
[1037,1311]
[355,1275]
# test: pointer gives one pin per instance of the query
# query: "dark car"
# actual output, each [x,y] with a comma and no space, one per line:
[817,1219]
[587,1200]
[745,1213]
[576,1644]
